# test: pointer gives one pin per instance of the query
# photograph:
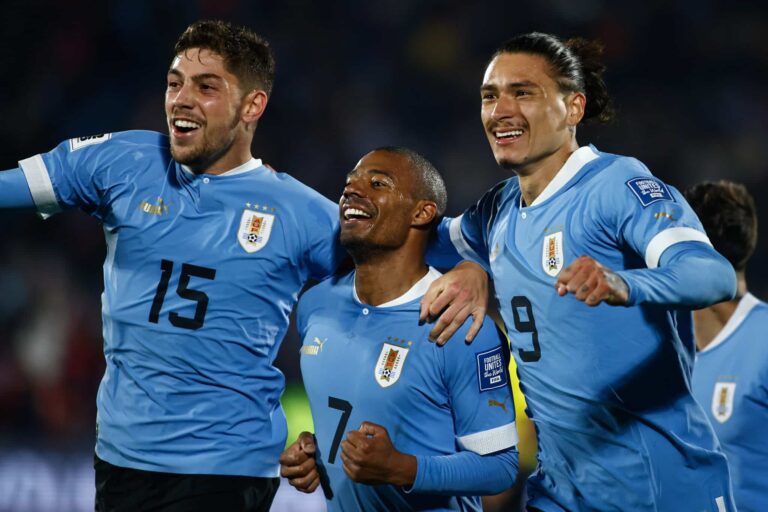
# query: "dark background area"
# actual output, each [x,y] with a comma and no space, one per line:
[687,78]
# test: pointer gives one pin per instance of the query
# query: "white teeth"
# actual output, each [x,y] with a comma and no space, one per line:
[511,133]
[183,123]
[354,212]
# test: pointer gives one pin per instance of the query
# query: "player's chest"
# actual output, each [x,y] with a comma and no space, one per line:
[368,362]
[230,220]
[732,392]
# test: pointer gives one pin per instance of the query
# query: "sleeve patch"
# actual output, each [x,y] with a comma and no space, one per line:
[81,142]
[649,190]
[491,369]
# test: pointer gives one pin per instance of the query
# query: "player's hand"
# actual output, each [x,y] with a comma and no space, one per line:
[369,457]
[592,283]
[298,465]
[459,293]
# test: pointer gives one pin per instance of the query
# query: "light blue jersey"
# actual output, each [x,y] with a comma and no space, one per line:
[608,388]
[365,363]
[730,381]
[200,276]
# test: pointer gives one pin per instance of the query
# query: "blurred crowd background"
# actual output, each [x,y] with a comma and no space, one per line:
[687,78]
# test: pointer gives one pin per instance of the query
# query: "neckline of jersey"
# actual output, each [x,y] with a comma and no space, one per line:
[747,302]
[575,163]
[253,163]
[416,291]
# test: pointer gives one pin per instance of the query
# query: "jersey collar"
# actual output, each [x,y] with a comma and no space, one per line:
[416,291]
[571,168]
[251,164]
[746,304]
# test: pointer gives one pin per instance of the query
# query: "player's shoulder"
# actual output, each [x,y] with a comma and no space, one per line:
[117,140]
[327,293]
[619,168]
[618,178]
[306,196]
[489,338]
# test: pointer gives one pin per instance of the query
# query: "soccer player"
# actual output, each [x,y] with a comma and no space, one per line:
[427,427]
[607,386]
[207,250]
[730,377]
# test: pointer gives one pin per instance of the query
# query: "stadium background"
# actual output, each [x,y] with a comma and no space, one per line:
[687,78]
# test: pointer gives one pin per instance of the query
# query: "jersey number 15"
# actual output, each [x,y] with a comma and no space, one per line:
[182,290]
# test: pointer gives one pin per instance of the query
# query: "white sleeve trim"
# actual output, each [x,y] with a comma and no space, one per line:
[40,186]
[669,237]
[457,238]
[490,441]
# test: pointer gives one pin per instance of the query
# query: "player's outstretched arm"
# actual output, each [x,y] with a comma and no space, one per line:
[459,293]
[592,283]
[298,464]
[14,190]
[690,274]
[369,457]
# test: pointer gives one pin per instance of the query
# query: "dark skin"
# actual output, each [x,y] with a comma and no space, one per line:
[385,229]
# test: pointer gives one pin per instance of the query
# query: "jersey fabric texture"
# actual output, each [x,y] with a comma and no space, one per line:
[365,363]
[730,381]
[200,276]
[608,388]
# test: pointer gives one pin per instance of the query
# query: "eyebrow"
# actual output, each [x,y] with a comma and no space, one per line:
[196,78]
[512,85]
[371,171]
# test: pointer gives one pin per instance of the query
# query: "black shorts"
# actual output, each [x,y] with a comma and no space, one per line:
[122,489]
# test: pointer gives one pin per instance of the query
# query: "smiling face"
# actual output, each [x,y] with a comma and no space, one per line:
[377,208]
[205,110]
[526,116]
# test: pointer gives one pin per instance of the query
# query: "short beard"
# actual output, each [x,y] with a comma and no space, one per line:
[205,155]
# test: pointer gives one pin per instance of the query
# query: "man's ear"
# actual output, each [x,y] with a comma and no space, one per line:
[254,105]
[575,104]
[424,213]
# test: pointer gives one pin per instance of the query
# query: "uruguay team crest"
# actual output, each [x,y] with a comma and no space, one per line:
[722,401]
[552,254]
[255,228]
[390,364]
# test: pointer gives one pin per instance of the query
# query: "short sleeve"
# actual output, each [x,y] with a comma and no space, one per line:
[647,214]
[321,224]
[72,175]
[466,236]
[477,378]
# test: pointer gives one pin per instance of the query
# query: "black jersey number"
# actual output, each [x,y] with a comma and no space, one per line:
[188,271]
[529,325]
[346,409]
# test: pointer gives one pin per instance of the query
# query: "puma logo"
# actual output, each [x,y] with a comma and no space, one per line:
[312,350]
[496,403]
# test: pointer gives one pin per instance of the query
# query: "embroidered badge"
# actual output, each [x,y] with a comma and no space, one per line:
[81,142]
[552,254]
[491,370]
[722,400]
[649,190]
[255,228]
[390,364]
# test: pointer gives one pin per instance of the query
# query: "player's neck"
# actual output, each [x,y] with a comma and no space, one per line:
[234,156]
[386,276]
[708,322]
[535,177]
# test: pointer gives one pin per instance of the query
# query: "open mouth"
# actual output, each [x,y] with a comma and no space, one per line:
[507,136]
[355,214]
[183,127]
